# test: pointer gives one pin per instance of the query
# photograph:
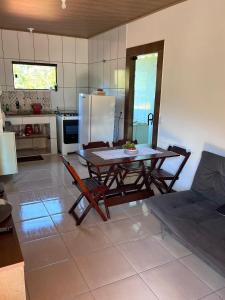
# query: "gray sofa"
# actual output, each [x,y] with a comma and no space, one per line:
[191,215]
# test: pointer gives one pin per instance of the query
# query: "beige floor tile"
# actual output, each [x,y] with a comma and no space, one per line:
[172,245]
[123,230]
[175,281]
[104,267]
[91,219]
[145,254]
[64,222]
[117,213]
[132,288]
[58,206]
[213,296]
[35,229]
[84,240]
[43,252]
[33,185]
[137,208]
[56,282]
[21,197]
[29,211]
[221,293]
[148,223]
[53,193]
[203,271]
[32,175]
[86,296]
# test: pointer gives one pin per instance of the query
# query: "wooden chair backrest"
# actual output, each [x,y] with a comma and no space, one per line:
[182,152]
[122,142]
[98,144]
[84,189]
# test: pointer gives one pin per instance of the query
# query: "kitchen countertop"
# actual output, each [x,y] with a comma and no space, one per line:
[30,114]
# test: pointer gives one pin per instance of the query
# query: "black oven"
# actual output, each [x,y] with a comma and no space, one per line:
[70,131]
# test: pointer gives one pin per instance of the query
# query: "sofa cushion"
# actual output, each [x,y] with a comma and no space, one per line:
[186,205]
[210,177]
[194,220]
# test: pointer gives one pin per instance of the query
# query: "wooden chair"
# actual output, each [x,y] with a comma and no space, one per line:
[122,142]
[132,168]
[91,189]
[91,169]
[160,176]
[98,144]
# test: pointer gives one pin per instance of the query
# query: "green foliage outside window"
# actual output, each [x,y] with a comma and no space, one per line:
[34,76]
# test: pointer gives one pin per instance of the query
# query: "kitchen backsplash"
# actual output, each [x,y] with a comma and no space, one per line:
[26,99]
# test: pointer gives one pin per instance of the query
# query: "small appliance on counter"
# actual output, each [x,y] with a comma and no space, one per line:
[99,92]
[37,108]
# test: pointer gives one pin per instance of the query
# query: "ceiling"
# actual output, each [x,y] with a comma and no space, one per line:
[81,18]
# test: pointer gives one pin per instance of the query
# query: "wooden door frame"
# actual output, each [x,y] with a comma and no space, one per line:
[129,87]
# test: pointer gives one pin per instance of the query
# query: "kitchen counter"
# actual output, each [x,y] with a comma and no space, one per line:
[29,114]
[48,118]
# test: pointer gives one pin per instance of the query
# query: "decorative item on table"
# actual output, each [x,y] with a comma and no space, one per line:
[37,107]
[99,92]
[130,148]
[28,130]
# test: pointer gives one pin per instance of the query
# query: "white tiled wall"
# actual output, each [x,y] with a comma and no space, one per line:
[83,65]
[70,54]
[107,60]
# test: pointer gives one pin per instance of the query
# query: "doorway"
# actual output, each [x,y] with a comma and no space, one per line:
[143,91]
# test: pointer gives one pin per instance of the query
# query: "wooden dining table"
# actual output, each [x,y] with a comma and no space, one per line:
[119,191]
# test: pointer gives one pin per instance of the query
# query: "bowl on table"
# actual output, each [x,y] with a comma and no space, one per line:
[131,151]
[129,148]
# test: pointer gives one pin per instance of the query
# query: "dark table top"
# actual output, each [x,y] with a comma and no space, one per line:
[97,161]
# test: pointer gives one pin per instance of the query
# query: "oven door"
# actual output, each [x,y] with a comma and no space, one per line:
[70,131]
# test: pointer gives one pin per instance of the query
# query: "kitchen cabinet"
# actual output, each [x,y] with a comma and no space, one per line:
[49,121]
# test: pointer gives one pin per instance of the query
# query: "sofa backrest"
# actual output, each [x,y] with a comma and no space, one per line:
[210,177]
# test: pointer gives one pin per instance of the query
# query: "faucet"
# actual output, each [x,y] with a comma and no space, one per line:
[17,105]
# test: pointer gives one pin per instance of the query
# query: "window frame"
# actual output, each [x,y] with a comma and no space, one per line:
[14,62]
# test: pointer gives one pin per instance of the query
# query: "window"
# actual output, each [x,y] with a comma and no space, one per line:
[34,76]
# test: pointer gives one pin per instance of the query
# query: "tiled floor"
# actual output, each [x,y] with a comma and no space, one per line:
[123,259]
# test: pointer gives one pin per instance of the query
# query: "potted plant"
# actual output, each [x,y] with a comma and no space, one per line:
[130,148]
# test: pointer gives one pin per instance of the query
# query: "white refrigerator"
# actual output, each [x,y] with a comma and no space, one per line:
[96,118]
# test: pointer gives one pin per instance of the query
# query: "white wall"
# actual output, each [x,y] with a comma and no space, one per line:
[70,54]
[107,52]
[193,90]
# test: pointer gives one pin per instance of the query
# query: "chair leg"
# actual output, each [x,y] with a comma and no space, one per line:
[76,203]
[157,185]
[106,208]
[83,215]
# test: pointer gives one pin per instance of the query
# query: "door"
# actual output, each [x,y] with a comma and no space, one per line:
[143,90]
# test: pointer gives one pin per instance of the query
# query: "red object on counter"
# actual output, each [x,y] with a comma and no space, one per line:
[37,107]
[28,130]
